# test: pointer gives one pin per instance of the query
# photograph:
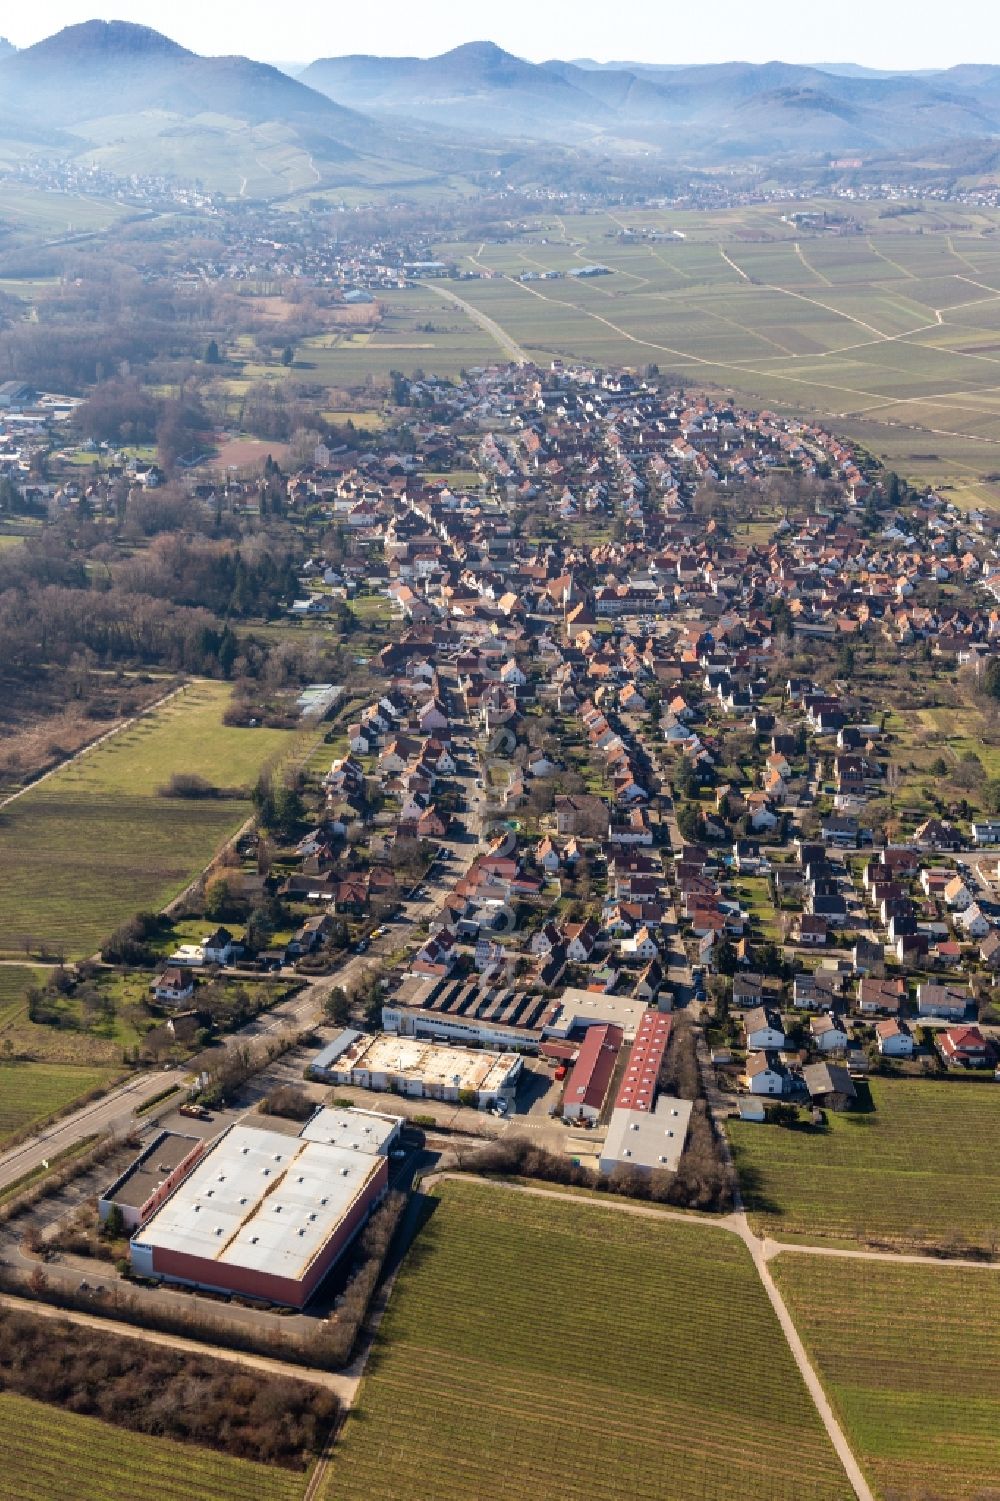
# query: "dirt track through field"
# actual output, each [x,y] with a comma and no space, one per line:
[488,325]
[732,1224]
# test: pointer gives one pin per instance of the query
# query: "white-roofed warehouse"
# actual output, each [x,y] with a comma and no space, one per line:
[266,1215]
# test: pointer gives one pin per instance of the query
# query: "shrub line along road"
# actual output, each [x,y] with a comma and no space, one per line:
[342,1386]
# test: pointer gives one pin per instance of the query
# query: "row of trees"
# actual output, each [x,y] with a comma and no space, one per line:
[188,1397]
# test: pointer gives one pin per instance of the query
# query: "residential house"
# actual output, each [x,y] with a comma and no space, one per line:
[829,1085]
[764,1032]
[965,1046]
[946,1001]
[893,1038]
[218,947]
[826,1035]
[880,997]
[174,985]
[764,1074]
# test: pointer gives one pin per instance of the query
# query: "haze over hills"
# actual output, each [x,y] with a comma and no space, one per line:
[128,98]
[707,113]
[99,68]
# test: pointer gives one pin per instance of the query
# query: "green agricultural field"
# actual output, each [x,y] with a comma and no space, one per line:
[535,1348]
[902,1352]
[35,211]
[921,1166]
[15,980]
[31,1092]
[891,335]
[48,1455]
[96,842]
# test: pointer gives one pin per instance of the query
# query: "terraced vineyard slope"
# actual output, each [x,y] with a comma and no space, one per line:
[903,1352]
[561,1351]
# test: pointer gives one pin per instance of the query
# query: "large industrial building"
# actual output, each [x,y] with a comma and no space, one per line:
[498,1016]
[647,1141]
[415,1068]
[576,1010]
[587,1086]
[266,1215]
[469,1011]
[647,1131]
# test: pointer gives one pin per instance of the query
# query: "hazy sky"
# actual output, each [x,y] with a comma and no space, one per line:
[881,33]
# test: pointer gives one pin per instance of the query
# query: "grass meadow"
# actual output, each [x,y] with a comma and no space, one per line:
[31,1092]
[48,1455]
[920,1167]
[556,1351]
[903,1352]
[95,842]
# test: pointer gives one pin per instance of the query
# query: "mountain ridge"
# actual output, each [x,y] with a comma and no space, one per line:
[706,111]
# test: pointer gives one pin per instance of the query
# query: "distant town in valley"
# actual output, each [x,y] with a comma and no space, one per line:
[499,778]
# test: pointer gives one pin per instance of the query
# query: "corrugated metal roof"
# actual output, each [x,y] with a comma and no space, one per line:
[588,1083]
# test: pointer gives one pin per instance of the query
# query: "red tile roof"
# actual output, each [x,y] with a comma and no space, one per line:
[638,1087]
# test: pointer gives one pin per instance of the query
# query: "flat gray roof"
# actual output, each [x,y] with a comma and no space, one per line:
[354,1130]
[647,1139]
[589,1008]
[151,1168]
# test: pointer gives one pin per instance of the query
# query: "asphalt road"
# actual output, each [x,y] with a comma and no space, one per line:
[116,1111]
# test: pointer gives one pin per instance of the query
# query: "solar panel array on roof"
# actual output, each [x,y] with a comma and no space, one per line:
[500,1005]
